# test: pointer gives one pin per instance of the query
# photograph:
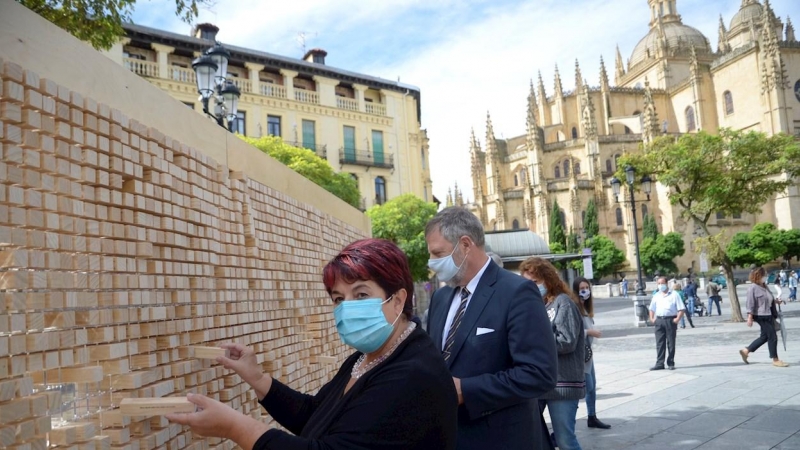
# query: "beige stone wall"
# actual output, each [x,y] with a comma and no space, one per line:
[743,80]
[132,229]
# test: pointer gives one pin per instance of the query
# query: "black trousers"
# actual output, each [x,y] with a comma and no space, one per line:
[768,335]
[666,330]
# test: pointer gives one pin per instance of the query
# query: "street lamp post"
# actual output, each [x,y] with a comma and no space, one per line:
[211,70]
[616,184]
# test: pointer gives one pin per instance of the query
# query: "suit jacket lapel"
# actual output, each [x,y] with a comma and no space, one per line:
[438,313]
[480,298]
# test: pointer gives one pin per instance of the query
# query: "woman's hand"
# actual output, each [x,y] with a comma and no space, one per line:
[749,321]
[244,362]
[594,332]
[215,419]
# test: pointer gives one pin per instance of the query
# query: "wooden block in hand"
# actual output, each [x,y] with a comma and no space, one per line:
[155,406]
[209,352]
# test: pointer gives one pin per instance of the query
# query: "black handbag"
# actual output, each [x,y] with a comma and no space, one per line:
[587,353]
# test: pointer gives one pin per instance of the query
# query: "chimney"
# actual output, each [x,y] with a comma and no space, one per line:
[316,55]
[206,31]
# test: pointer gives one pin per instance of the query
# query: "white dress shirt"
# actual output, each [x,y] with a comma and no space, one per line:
[666,304]
[456,300]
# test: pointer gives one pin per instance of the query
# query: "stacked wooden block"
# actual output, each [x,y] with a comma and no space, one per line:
[120,248]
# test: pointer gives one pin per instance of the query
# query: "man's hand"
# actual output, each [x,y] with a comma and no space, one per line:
[676,320]
[457,382]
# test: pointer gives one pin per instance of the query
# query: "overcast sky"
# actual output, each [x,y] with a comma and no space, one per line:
[467,56]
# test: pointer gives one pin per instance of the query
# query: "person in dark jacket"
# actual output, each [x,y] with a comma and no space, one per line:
[394,392]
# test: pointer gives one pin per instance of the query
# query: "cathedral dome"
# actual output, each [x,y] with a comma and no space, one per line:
[750,10]
[678,37]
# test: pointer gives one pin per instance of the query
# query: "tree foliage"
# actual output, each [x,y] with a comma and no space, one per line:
[556,232]
[606,257]
[402,220]
[590,224]
[730,173]
[99,22]
[791,240]
[658,254]
[759,246]
[308,164]
[650,227]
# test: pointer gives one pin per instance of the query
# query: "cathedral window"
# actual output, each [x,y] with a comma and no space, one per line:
[577,168]
[609,169]
[583,218]
[574,133]
[728,100]
[720,216]
[618,213]
[644,211]
[558,171]
[523,175]
[563,218]
[627,130]
[737,216]
[516,180]
[566,168]
[515,224]
[690,122]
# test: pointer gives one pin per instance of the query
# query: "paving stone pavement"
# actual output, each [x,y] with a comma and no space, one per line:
[711,401]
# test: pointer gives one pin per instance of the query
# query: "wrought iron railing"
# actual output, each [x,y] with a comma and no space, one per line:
[365,158]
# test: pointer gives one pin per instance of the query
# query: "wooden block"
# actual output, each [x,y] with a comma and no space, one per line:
[155,406]
[323,359]
[201,352]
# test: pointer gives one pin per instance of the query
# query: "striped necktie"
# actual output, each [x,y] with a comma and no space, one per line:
[451,334]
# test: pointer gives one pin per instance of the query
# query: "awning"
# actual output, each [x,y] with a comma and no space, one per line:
[519,245]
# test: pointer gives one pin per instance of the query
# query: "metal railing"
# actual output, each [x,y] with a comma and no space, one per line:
[273,90]
[321,150]
[304,96]
[143,68]
[379,109]
[349,104]
[365,158]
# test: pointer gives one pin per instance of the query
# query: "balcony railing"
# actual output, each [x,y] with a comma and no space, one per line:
[349,104]
[244,84]
[379,109]
[320,150]
[144,68]
[304,96]
[182,74]
[365,158]
[273,90]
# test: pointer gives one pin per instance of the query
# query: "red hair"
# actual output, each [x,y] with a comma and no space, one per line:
[375,260]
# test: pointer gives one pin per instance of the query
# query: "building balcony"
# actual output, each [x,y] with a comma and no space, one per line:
[304,96]
[272,90]
[320,150]
[365,158]
[147,69]
[349,104]
[243,84]
[379,109]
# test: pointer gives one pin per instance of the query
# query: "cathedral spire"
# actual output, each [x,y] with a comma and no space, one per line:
[542,93]
[768,30]
[559,90]
[649,118]
[789,30]
[449,201]
[531,124]
[491,146]
[578,76]
[603,75]
[722,44]
[620,68]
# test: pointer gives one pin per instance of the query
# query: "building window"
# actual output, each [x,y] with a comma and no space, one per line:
[728,100]
[644,211]
[424,163]
[380,190]
[609,169]
[618,213]
[720,216]
[377,147]
[425,191]
[558,171]
[690,123]
[523,175]
[627,130]
[737,216]
[309,135]
[239,123]
[349,144]
[574,133]
[577,168]
[566,168]
[516,180]
[274,126]
[616,161]
[515,224]
[562,217]
[583,218]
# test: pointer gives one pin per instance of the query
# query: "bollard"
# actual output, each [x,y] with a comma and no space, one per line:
[641,311]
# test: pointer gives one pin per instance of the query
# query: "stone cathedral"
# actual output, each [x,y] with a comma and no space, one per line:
[674,82]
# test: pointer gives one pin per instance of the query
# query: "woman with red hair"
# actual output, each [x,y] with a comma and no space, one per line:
[393,392]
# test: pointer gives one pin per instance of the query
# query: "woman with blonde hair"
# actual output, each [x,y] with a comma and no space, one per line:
[566,317]
[761,308]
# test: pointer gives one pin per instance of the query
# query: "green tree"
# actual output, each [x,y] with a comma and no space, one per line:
[730,173]
[99,22]
[308,164]
[573,246]
[791,240]
[402,220]
[759,246]
[590,224]
[658,254]
[606,257]
[556,234]
[650,227]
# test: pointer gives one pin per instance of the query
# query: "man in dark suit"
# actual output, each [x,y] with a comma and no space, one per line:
[495,336]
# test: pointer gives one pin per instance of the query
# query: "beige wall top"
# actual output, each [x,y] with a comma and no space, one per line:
[34,43]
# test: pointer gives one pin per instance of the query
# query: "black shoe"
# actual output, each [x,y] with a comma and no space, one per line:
[683,326]
[594,422]
[657,368]
[671,367]
[692,326]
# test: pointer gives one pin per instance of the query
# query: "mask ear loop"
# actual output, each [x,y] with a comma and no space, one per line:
[398,316]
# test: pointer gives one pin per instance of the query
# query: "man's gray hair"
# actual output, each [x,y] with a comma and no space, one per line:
[454,222]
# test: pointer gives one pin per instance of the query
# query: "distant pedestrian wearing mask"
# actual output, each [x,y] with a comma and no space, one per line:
[583,290]
[666,310]
[761,308]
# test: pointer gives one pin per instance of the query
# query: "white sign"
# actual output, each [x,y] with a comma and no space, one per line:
[588,272]
[703,262]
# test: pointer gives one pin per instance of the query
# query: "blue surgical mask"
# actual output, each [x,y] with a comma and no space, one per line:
[662,287]
[543,290]
[362,324]
[446,267]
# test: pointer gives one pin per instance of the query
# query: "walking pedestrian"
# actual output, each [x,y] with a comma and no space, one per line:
[583,290]
[666,309]
[793,286]
[691,297]
[712,290]
[623,286]
[678,289]
[761,308]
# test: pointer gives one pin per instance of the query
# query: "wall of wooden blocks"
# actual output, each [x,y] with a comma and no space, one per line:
[120,248]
